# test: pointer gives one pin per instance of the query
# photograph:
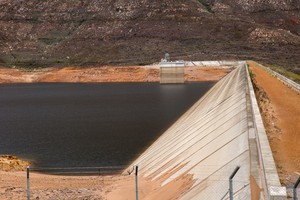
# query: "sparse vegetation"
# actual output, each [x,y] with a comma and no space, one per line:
[284,72]
[251,74]
[91,33]
[237,32]
[206,5]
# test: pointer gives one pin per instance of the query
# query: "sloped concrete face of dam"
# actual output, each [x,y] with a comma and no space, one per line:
[209,141]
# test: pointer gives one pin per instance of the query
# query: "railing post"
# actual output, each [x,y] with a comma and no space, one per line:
[230,182]
[28,183]
[295,189]
[136,182]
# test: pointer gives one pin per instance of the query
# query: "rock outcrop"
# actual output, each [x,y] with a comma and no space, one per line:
[12,163]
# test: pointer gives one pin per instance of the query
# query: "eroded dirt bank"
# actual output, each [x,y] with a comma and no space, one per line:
[280,108]
[12,163]
[105,74]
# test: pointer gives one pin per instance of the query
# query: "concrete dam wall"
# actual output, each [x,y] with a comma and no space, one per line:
[221,131]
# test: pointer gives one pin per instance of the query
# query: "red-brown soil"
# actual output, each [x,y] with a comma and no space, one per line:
[280,108]
[205,73]
[105,74]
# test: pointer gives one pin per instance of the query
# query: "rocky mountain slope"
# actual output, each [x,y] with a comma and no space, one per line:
[91,32]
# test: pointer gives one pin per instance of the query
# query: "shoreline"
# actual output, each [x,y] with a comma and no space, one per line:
[105,74]
[112,187]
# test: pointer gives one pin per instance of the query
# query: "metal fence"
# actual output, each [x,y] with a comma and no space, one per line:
[71,183]
[295,86]
[64,185]
[294,192]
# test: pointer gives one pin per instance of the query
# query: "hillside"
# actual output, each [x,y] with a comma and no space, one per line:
[137,32]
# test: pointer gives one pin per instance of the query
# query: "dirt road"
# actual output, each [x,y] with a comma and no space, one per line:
[280,108]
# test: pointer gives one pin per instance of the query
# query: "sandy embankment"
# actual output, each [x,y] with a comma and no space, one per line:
[105,74]
[117,187]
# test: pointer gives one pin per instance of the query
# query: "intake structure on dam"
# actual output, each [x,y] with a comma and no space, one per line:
[221,131]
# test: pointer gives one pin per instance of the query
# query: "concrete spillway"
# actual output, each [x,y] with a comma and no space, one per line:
[209,141]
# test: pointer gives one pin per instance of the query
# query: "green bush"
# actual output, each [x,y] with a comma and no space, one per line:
[206,5]
[251,74]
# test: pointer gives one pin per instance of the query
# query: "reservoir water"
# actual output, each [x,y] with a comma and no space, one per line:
[87,125]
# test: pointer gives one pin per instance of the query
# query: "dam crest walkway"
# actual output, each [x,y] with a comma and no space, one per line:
[218,133]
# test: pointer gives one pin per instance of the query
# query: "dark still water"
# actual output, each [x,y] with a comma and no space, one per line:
[98,124]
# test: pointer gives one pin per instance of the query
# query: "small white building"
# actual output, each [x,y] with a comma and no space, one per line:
[171,72]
